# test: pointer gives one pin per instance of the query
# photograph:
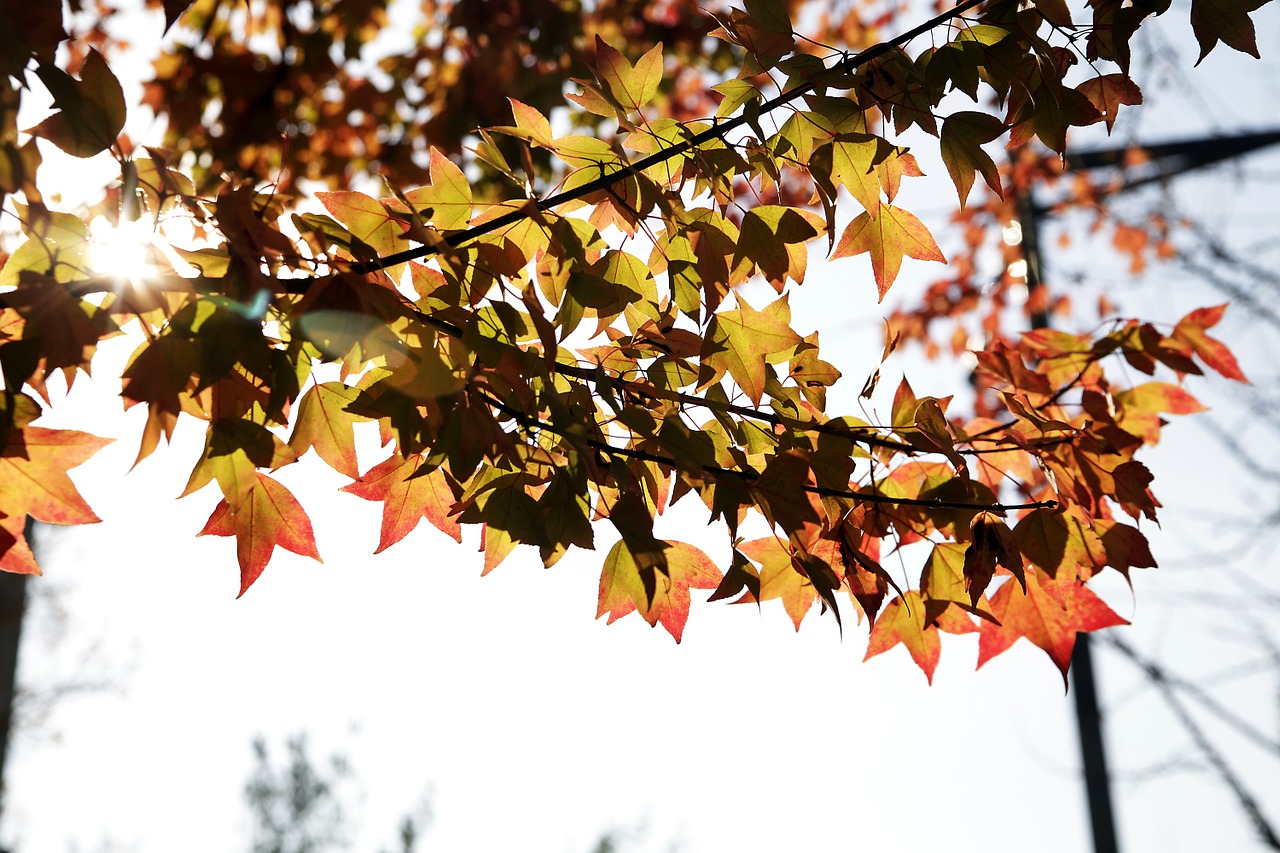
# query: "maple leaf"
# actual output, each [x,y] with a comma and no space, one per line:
[741,577]
[963,135]
[892,169]
[173,10]
[623,590]
[58,247]
[1125,545]
[854,158]
[16,555]
[234,450]
[889,237]
[1227,21]
[33,474]
[369,222]
[778,578]
[784,501]
[1050,614]
[1055,12]
[92,109]
[943,583]
[407,498]
[930,420]
[629,86]
[992,545]
[1059,541]
[1139,408]
[68,328]
[447,201]
[1213,352]
[743,340]
[813,375]
[903,621]
[158,373]
[1108,92]
[324,424]
[268,516]
[565,509]
[530,124]
[773,238]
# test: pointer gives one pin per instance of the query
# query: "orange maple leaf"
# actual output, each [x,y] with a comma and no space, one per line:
[779,579]
[407,498]
[903,621]
[889,237]
[34,482]
[1049,614]
[623,589]
[268,515]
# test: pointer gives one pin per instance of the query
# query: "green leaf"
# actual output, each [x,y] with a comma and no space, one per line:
[447,202]
[773,237]
[57,246]
[630,86]
[854,157]
[736,93]
[743,340]
[983,34]
[957,62]
[963,134]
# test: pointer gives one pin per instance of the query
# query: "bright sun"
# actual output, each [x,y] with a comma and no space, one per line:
[122,250]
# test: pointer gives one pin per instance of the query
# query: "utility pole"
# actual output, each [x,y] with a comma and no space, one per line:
[13,606]
[1162,162]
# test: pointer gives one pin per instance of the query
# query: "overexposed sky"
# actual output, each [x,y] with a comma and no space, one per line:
[536,727]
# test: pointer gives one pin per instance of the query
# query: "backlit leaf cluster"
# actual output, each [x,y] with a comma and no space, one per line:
[545,337]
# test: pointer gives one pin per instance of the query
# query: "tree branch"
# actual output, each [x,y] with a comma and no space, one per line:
[749,475]
[1243,796]
[716,131]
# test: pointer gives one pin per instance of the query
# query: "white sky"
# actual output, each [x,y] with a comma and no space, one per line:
[536,727]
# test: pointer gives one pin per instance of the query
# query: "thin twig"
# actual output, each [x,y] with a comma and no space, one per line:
[1244,797]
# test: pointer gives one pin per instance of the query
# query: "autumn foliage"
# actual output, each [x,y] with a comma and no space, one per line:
[540,316]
